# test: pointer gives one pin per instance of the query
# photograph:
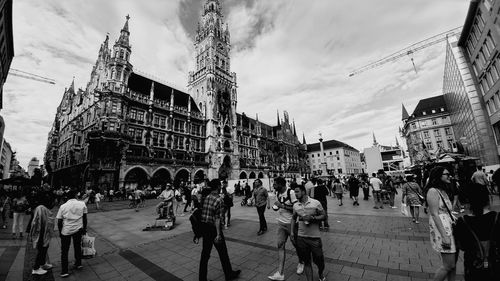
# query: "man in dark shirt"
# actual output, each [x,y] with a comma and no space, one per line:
[320,193]
[261,198]
[353,184]
[211,214]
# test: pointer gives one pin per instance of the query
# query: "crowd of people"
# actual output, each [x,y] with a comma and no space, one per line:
[302,212]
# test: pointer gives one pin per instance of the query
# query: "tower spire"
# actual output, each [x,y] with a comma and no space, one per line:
[294,130]
[303,138]
[405,114]
[397,142]
[124,34]
[374,140]
[278,116]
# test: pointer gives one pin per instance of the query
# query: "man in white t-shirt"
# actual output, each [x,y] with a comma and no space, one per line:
[72,224]
[376,184]
[167,196]
[284,207]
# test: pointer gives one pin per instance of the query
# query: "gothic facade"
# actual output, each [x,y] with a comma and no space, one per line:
[127,129]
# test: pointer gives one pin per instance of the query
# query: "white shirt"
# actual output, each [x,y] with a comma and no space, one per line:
[284,215]
[98,197]
[376,183]
[71,213]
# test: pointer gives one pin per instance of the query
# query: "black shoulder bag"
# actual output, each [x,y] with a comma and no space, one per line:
[486,260]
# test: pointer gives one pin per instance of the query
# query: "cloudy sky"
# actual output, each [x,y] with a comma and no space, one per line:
[292,55]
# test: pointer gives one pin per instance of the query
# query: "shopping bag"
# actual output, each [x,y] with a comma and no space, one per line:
[404,210]
[88,249]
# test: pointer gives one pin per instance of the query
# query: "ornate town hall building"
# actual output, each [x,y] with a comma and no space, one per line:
[127,129]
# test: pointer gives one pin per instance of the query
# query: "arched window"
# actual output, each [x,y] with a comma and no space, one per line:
[122,54]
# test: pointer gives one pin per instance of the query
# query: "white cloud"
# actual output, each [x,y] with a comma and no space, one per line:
[288,55]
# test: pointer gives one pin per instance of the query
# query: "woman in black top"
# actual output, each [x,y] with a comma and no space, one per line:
[481,259]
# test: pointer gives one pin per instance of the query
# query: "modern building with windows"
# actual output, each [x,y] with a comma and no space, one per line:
[428,131]
[5,159]
[126,129]
[468,114]
[6,43]
[340,158]
[478,54]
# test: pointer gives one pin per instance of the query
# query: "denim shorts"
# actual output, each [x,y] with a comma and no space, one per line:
[284,231]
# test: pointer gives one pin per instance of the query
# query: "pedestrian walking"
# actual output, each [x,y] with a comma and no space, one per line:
[440,223]
[284,206]
[390,187]
[376,185]
[4,204]
[309,214]
[98,198]
[353,184]
[137,198]
[413,194]
[261,198]
[310,184]
[478,236]
[72,224]
[178,201]
[211,214]
[41,232]
[187,196]
[19,207]
[111,193]
[227,199]
[338,190]
[366,188]
[320,193]
[479,177]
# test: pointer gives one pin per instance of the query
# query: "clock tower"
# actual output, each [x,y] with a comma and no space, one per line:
[213,86]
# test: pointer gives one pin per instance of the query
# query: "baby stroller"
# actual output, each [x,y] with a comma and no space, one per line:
[247,201]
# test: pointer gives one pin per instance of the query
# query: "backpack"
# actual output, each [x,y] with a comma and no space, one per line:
[486,258]
[288,198]
[196,225]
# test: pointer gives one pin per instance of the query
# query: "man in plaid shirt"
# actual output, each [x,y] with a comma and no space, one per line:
[211,215]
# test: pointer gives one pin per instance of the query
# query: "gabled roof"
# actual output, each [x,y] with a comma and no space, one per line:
[436,103]
[141,84]
[329,144]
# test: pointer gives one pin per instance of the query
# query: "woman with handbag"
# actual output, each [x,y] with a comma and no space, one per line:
[413,196]
[478,236]
[441,223]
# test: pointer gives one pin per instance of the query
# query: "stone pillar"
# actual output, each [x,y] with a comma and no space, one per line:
[323,162]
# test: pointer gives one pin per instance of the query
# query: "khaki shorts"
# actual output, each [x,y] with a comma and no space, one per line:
[284,231]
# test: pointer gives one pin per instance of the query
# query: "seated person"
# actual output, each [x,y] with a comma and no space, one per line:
[167,195]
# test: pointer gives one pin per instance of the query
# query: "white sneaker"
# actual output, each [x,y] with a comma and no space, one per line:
[47,266]
[277,276]
[39,271]
[300,268]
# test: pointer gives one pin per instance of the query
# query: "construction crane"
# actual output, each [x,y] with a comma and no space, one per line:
[27,75]
[409,51]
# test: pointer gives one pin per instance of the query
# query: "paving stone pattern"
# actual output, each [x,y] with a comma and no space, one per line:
[361,244]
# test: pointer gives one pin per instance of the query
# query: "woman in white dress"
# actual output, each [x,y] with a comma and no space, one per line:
[440,223]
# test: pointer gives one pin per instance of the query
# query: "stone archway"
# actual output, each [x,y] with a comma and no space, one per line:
[252,175]
[136,178]
[225,169]
[160,178]
[199,176]
[243,175]
[261,175]
[182,175]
